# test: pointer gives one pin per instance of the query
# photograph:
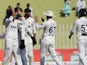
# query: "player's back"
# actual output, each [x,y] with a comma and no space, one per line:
[50,28]
[81,26]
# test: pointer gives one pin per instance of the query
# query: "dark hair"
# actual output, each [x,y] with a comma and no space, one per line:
[82,12]
[10,7]
[65,0]
[48,17]
[18,3]
[28,4]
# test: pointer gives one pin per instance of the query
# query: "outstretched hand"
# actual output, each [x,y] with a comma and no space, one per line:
[36,19]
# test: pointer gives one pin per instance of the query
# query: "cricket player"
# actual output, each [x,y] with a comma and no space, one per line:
[48,38]
[11,43]
[30,36]
[80,27]
[23,41]
[22,37]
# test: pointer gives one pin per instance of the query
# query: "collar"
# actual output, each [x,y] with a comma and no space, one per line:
[83,18]
[50,19]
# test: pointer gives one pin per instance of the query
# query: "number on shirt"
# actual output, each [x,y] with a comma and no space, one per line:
[84,28]
[52,30]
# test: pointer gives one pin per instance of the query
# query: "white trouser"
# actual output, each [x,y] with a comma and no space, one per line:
[11,46]
[29,48]
[82,42]
[47,44]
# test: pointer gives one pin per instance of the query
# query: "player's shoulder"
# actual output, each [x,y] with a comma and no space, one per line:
[53,22]
[80,20]
[31,19]
[77,21]
[45,22]
[16,21]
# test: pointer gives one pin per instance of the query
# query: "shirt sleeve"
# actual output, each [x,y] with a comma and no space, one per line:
[28,31]
[74,27]
[40,26]
[34,27]
[8,20]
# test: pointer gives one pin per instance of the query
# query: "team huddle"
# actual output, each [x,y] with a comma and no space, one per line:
[21,32]
[20,37]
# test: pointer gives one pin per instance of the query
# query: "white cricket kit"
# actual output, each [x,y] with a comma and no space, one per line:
[7,22]
[22,36]
[30,23]
[31,30]
[11,43]
[48,41]
[12,28]
[80,5]
[80,27]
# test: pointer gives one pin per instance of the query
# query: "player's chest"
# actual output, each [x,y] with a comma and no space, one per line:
[29,24]
[13,26]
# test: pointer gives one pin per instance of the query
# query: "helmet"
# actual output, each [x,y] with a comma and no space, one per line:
[82,12]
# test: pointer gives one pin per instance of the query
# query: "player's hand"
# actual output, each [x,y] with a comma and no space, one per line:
[20,12]
[13,14]
[69,37]
[22,44]
[42,19]
[36,19]
[34,41]
[71,33]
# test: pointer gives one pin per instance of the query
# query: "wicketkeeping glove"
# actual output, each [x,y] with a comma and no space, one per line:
[22,45]
[34,41]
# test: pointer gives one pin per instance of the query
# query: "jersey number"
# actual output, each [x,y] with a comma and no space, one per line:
[83,28]
[52,29]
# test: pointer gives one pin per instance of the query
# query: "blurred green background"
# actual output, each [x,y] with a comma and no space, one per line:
[39,6]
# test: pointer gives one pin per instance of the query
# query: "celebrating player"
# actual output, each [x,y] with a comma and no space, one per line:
[48,38]
[30,35]
[11,43]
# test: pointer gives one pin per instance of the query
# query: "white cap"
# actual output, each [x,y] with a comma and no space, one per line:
[49,13]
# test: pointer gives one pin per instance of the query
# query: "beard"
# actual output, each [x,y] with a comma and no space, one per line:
[26,15]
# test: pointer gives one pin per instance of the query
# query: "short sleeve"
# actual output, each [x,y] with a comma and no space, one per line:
[74,27]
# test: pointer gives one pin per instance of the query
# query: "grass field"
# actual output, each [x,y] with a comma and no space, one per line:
[39,6]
